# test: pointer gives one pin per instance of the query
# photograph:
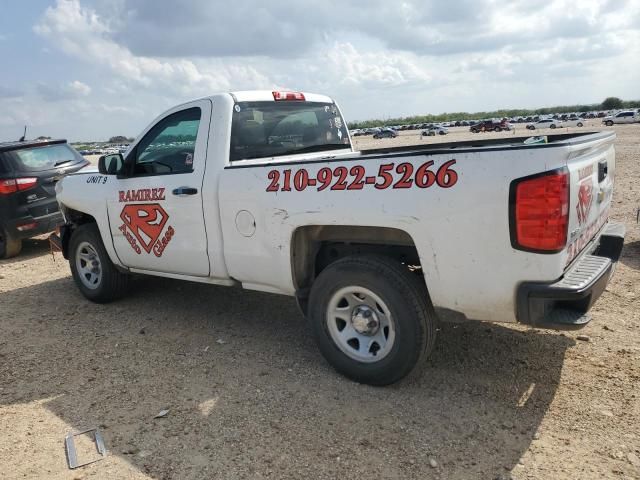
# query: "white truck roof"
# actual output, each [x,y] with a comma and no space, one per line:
[267,95]
[261,96]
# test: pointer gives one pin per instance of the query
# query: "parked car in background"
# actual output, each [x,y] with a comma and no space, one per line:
[490,126]
[573,121]
[385,133]
[628,116]
[435,130]
[545,123]
[28,174]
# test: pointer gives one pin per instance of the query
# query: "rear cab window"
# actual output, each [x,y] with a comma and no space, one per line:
[271,129]
[47,157]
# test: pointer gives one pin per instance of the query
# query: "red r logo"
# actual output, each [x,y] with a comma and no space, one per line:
[585,199]
[145,221]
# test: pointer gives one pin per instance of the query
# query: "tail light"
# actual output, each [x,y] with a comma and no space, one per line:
[279,96]
[17,185]
[539,212]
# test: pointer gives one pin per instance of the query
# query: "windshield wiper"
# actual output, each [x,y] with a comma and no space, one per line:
[319,148]
[62,162]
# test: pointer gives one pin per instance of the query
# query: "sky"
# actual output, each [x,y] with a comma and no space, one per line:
[92,69]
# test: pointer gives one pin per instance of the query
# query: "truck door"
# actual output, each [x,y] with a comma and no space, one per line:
[156,212]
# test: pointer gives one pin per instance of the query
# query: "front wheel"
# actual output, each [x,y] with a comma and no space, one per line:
[552,126]
[609,123]
[579,124]
[94,273]
[371,318]
[497,129]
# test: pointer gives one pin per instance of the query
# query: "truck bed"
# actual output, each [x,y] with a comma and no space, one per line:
[492,144]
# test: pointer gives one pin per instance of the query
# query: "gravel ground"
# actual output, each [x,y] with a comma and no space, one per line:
[249,396]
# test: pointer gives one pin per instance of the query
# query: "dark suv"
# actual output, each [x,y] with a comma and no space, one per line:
[28,174]
[490,126]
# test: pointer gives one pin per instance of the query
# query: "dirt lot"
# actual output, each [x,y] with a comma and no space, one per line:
[249,396]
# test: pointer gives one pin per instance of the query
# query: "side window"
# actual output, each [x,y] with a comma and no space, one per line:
[169,146]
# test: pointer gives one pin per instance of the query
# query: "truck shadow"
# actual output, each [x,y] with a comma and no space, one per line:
[249,393]
[631,255]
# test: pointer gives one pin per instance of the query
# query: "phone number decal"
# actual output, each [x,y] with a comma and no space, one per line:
[389,175]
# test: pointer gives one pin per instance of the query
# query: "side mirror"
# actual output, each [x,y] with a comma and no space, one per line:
[110,164]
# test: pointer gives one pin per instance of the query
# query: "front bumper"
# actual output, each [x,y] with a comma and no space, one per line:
[563,304]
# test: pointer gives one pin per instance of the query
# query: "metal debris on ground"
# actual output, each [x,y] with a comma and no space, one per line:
[70,447]
[162,413]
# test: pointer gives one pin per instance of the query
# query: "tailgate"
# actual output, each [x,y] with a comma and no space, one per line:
[591,168]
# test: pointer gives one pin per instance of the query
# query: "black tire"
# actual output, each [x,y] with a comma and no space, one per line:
[9,246]
[404,295]
[113,283]
[497,129]
[609,123]
[552,126]
[579,124]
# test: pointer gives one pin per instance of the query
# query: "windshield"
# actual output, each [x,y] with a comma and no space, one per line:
[47,157]
[272,129]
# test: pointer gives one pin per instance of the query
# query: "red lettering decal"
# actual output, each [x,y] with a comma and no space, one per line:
[341,183]
[406,170]
[274,176]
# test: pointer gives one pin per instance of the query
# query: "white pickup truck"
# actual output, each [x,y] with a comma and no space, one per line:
[628,116]
[263,190]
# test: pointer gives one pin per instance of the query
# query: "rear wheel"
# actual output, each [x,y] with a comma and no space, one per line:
[371,318]
[94,273]
[552,126]
[9,246]
[579,124]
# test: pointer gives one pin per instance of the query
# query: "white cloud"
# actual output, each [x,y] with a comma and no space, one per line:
[56,92]
[79,88]
[81,33]
[385,58]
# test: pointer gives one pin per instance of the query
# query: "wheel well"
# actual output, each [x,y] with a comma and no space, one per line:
[77,217]
[74,218]
[316,247]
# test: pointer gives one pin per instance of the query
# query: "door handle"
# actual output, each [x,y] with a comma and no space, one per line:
[184,191]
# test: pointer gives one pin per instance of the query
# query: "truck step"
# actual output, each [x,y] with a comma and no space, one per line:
[563,319]
[583,273]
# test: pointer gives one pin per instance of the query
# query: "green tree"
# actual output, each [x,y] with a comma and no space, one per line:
[611,103]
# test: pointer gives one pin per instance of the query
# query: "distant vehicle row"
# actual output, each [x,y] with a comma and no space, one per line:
[576,119]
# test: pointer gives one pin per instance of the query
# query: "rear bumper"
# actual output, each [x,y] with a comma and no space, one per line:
[563,304]
[28,227]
